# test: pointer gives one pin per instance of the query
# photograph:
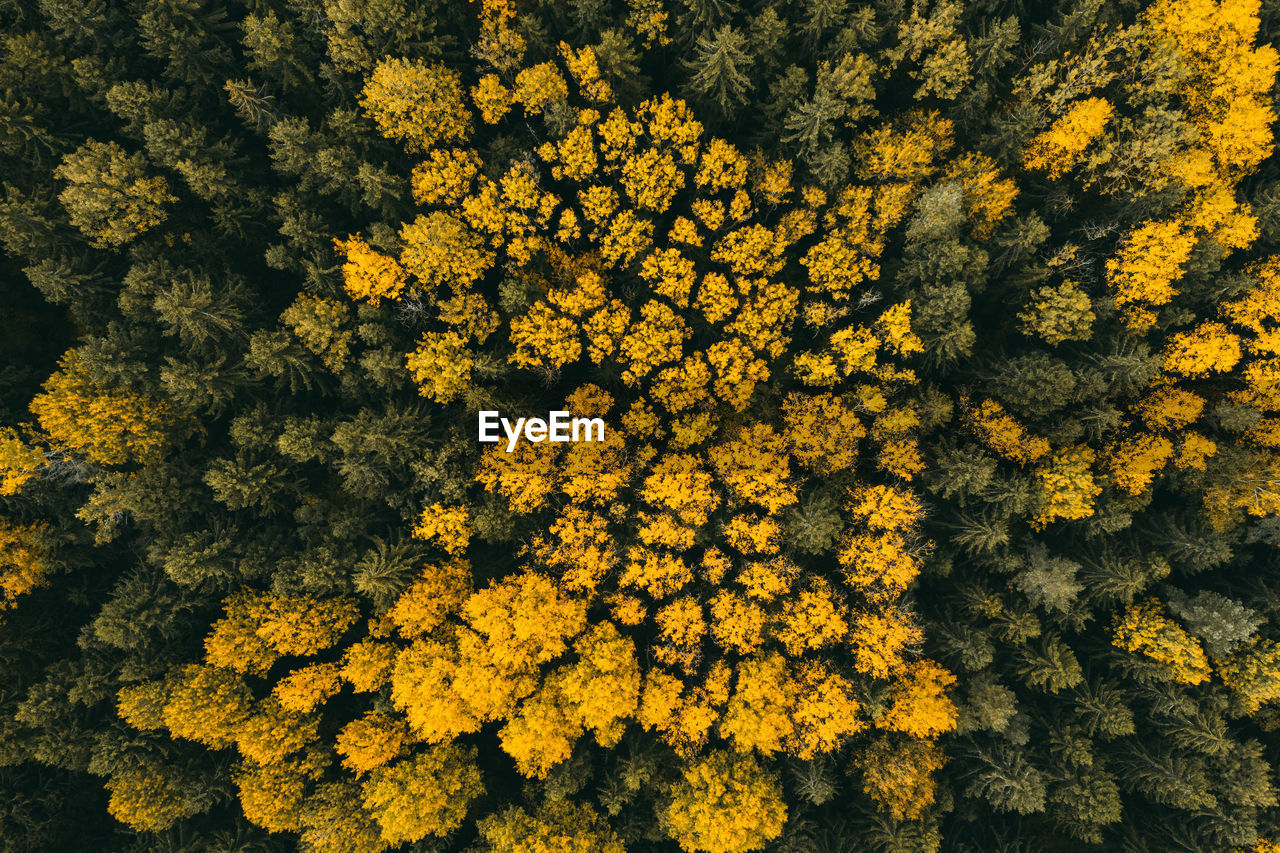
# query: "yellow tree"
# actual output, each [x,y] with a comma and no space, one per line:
[418,104]
[25,560]
[1144,629]
[19,462]
[898,774]
[560,826]
[426,794]
[109,427]
[1059,148]
[724,803]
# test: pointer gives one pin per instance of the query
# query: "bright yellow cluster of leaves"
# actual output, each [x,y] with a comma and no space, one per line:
[1057,149]
[415,103]
[25,560]
[19,462]
[1232,360]
[448,527]
[1143,628]
[493,655]
[560,826]
[1224,90]
[426,794]
[368,274]
[725,803]
[107,426]
[1066,485]
[1001,432]
[258,628]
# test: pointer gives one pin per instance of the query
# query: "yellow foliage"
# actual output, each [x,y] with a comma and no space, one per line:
[894,326]
[271,795]
[526,477]
[423,686]
[371,741]
[303,624]
[920,707]
[898,775]
[25,561]
[540,86]
[1142,273]
[560,826]
[1057,314]
[445,177]
[812,619]
[439,591]
[681,485]
[825,713]
[881,642]
[767,579]
[1135,462]
[491,98]
[652,341]
[1060,147]
[1253,673]
[368,274]
[737,622]
[725,803]
[303,690]
[1193,452]
[845,257]
[142,705]
[542,733]
[1226,93]
[1066,485]
[270,732]
[334,820]
[585,68]
[885,507]
[1000,431]
[449,527]
[1144,629]
[1209,348]
[749,534]
[367,665]
[581,546]
[500,45]
[659,574]
[822,431]
[207,704]
[234,642]
[879,564]
[525,620]
[19,462]
[602,688]
[426,794]
[318,324]
[906,150]
[418,104]
[439,249]
[755,466]
[147,796]
[758,716]
[1170,407]
[108,427]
